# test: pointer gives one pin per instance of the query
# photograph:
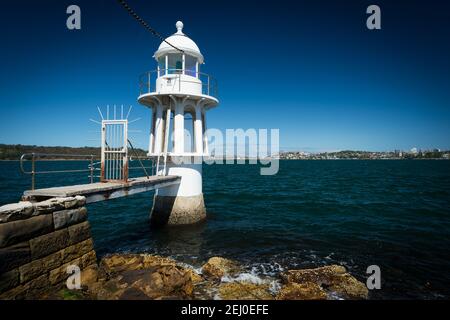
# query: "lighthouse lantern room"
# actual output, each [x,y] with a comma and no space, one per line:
[179,96]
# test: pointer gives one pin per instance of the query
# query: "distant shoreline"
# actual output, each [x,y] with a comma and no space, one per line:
[61,153]
[392,159]
[40,160]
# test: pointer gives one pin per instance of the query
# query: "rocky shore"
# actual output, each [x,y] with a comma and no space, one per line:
[143,276]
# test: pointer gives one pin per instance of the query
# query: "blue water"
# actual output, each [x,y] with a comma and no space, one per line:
[395,214]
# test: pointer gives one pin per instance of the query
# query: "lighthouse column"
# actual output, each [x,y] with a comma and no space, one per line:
[152,132]
[159,125]
[183,203]
[198,129]
[179,128]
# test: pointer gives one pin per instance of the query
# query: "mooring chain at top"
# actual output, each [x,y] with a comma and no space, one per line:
[146,25]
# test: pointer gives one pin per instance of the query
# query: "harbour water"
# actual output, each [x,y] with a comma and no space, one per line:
[394,214]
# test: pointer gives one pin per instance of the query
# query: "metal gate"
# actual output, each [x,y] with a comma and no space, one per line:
[114,157]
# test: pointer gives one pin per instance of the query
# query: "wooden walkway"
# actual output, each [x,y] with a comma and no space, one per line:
[101,191]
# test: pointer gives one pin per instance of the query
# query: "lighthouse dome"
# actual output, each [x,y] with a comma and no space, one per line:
[180,41]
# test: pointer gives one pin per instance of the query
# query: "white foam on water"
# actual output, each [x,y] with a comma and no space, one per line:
[267,269]
[255,277]
[274,287]
[244,277]
[197,270]
[334,296]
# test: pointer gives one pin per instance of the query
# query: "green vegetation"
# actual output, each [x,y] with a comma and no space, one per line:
[14,152]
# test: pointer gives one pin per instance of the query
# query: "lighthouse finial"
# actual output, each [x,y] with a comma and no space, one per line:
[179,26]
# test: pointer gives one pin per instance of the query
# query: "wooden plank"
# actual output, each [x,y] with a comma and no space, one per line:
[105,190]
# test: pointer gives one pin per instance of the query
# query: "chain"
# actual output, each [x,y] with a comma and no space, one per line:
[145,24]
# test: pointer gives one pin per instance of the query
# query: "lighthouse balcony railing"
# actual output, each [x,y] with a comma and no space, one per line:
[147,80]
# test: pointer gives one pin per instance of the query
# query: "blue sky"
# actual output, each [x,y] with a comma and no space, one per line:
[310,68]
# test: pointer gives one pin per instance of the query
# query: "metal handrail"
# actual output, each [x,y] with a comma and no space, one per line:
[92,166]
[147,83]
[37,156]
[140,162]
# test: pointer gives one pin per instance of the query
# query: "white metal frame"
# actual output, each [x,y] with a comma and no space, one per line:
[114,152]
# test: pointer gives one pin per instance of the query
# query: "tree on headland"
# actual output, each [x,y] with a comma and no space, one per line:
[15,151]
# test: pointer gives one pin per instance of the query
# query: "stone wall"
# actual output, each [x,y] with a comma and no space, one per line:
[38,241]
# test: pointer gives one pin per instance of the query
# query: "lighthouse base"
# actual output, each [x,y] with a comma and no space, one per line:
[177,210]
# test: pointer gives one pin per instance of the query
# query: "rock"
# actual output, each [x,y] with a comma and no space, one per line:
[195,277]
[89,275]
[79,232]
[38,287]
[108,290]
[48,206]
[155,283]
[88,259]
[317,275]
[164,281]
[65,218]
[94,289]
[333,279]
[81,200]
[206,289]
[144,276]
[16,211]
[9,280]
[55,204]
[60,203]
[33,290]
[349,288]
[21,230]
[217,267]
[72,252]
[154,260]
[70,202]
[121,262]
[244,291]
[39,267]
[14,256]
[59,274]
[304,291]
[133,294]
[49,243]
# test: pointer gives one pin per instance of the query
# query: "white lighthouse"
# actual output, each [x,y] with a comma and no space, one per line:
[179,96]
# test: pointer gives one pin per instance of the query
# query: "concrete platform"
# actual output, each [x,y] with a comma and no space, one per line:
[101,191]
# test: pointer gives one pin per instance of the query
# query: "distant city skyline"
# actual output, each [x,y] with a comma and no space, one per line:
[309,68]
[282,150]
